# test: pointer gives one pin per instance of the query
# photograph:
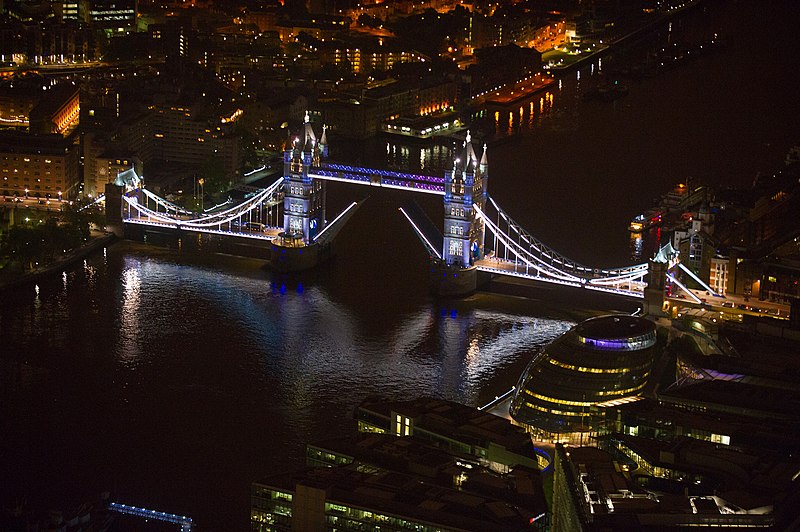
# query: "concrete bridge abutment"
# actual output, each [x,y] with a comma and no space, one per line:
[452,280]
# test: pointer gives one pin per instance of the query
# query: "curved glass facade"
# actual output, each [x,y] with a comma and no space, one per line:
[599,360]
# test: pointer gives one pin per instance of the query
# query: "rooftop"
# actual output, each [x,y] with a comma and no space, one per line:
[415,456]
[726,395]
[55,98]
[409,496]
[616,502]
[457,421]
[23,142]
[756,477]
[615,327]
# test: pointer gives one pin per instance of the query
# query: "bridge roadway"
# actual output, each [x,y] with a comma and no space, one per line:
[229,221]
[378,178]
[731,306]
[515,269]
[267,233]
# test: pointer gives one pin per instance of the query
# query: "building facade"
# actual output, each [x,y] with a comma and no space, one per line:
[112,15]
[185,134]
[58,111]
[107,167]
[41,166]
[718,275]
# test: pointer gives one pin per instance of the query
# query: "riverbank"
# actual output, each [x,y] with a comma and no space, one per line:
[68,259]
[615,42]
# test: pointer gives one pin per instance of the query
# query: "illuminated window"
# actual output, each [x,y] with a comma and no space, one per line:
[719,438]
[559,401]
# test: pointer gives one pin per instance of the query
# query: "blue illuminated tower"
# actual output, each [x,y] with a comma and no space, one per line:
[465,186]
[304,197]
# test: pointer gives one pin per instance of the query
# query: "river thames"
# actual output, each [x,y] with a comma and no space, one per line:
[173,379]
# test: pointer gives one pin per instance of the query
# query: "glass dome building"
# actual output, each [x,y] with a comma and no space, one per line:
[600,360]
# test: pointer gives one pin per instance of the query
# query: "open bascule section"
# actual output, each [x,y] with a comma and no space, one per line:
[476,235]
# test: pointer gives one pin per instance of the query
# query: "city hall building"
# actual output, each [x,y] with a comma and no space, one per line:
[600,362]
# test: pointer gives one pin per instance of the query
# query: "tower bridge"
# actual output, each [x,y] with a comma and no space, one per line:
[476,235]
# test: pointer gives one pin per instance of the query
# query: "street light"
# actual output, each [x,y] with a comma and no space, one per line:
[26,192]
[59,195]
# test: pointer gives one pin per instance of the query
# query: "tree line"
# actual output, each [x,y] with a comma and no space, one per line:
[42,241]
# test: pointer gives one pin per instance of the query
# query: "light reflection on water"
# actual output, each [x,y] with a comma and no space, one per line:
[315,340]
[129,325]
[408,156]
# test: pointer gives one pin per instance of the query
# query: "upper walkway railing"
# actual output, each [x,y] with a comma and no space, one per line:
[184,522]
[378,178]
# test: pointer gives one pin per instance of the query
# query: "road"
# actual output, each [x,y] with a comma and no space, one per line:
[733,306]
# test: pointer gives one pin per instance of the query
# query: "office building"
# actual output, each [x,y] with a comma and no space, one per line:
[601,361]
[42,166]
[380,481]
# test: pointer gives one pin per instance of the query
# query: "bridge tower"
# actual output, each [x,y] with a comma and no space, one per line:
[303,202]
[654,295]
[303,197]
[463,243]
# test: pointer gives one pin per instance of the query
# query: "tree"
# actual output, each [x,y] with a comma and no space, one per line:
[25,244]
[81,217]
[213,173]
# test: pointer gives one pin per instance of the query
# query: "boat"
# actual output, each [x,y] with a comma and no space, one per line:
[637,224]
[643,222]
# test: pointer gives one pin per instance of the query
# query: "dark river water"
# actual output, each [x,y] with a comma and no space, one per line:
[174,379]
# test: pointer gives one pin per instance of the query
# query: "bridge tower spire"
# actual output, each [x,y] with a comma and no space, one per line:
[304,197]
[465,185]
[323,142]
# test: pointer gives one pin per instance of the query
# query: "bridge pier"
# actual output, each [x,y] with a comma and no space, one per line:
[452,280]
[288,255]
[114,222]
